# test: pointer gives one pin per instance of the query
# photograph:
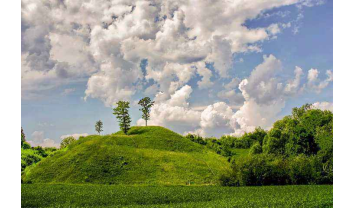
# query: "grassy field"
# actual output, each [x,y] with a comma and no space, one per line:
[46,195]
[146,156]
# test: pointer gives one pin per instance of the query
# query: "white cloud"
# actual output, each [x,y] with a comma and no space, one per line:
[233,84]
[174,113]
[104,43]
[206,74]
[180,97]
[316,85]
[253,114]
[231,96]
[263,95]
[63,42]
[292,86]
[323,106]
[38,139]
[274,29]
[216,115]
[310,3]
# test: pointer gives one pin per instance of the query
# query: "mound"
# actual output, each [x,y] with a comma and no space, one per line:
[146,156]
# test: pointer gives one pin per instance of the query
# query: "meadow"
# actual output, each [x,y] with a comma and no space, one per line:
[57,195]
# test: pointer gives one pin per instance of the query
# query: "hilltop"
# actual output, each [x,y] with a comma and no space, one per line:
[145,156]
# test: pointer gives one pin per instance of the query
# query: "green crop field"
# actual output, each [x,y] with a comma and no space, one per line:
[52,195]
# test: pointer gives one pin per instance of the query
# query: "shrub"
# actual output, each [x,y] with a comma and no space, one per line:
[196,138]
[256,149]
[26,145]
[66,142]
[29,157]
[269,169]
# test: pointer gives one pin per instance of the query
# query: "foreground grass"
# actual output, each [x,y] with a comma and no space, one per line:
[46,195]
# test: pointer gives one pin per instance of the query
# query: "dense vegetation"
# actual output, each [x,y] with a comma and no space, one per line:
[297,150]
[146,156]
[32,155]
[47,195]
[230,146]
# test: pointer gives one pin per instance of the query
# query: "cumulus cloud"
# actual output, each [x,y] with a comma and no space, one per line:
[265,94]
[323,106]
[104,44]
[253,114]
[261,98]
[105,41]
[230,92]
[174,113]
[206,75]
[314,83]
[38,139]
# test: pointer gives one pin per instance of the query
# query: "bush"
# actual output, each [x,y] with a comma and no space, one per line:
[256,149]
[66,142]
[269,169]
[196,138]
[29,157]
[26,145]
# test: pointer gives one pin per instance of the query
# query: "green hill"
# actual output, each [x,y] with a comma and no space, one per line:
[146,156]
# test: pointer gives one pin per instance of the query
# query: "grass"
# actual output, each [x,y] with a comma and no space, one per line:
[146,156]
[52,195]
[240,152]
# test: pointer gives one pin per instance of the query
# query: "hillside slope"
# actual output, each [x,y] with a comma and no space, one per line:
[146,156]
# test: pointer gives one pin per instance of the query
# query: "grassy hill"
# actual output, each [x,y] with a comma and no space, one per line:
[146,156]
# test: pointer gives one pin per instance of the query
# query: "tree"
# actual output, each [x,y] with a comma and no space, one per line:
[23,137]
[122,114]
[99,126]
[65,142]
[146,104]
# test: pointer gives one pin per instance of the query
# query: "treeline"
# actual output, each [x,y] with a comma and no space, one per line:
[228,145]
[297,150]
[31,155]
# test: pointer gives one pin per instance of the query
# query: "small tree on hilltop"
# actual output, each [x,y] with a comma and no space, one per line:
[122,114]
[99,127]
[146,105]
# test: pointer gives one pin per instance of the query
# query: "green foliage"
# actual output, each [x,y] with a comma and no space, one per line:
[31,156]
[265,169]
[55,195]
[297,150]
[66,142]
[196,138]
[99,127]
[231,146]
[23,137]
[146,105]
[26,145]
[146,156]
[256,149]
[122,114]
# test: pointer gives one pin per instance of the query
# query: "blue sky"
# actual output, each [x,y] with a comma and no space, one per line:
[56,106]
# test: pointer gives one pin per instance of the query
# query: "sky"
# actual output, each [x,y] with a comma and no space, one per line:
[212,67]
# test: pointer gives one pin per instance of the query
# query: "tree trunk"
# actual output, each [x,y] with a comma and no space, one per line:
[146,122]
